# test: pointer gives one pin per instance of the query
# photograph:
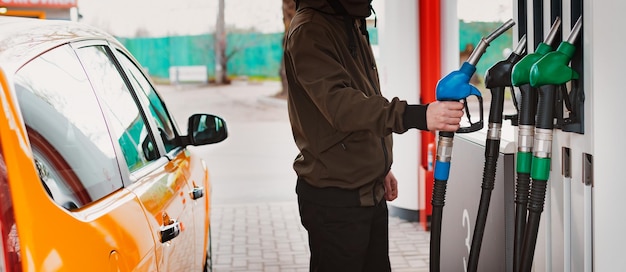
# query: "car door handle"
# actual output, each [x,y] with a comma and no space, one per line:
[197,192]
[170,231]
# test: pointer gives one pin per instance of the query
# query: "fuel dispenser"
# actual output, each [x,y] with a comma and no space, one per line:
[546,75]
[549,123]
[455,87]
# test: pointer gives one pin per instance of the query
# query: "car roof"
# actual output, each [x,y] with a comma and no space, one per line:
[21,39]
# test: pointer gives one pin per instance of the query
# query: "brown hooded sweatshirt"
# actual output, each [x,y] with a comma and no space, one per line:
[340,121]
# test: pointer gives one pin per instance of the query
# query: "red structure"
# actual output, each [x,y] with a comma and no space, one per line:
[430,72]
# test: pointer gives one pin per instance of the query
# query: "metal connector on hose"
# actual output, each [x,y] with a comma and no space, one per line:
[526,135]
[495,131]
[444,150]
[542,147]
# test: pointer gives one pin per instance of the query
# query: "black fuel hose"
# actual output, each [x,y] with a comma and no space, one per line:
[528,109]
[439,198]
[497,79]
[540,172]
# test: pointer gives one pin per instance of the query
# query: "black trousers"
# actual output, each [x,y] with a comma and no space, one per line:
[346,239]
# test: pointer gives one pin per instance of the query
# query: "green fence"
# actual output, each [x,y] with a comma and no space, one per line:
[259,55]
[249,54]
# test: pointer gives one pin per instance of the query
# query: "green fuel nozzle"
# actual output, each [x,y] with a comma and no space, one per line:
[553,68]
[521,71]
[550,71]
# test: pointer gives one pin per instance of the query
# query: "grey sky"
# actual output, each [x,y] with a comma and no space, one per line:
[165,17]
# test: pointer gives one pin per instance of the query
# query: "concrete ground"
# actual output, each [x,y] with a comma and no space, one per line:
[255,221]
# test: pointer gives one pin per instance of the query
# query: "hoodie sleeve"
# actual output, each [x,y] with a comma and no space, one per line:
[347,99]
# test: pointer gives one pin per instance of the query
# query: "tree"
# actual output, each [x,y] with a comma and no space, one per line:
[221,74]
[289,10]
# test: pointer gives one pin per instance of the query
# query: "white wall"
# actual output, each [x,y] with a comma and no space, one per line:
[449,37]
[604,64]
[399,74]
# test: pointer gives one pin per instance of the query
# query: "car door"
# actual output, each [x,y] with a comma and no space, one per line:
[191,166]
[76,215]
[159,181]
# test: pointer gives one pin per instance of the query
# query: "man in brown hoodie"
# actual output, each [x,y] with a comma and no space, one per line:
[343,127]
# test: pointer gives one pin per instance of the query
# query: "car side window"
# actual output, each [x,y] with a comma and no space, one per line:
[71,145]
[129,125]
[148,95]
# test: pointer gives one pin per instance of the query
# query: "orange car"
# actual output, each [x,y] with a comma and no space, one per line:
[94,173]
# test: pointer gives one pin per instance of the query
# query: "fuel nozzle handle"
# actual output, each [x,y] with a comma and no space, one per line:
[520,77]
[551,70]
[498,78]
[456,87]
[521,71]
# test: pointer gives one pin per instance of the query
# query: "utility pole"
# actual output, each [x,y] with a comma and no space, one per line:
[289,11]
[220,46]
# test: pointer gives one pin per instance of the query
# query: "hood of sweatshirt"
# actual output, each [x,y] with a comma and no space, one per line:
[354,8]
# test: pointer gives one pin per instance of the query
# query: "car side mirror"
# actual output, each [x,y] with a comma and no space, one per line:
[206,129]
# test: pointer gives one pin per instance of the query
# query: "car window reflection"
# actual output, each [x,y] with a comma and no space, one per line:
[147,94]
[67,130]
[129,125]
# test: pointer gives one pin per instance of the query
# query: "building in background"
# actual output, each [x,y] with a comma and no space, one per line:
[53,9]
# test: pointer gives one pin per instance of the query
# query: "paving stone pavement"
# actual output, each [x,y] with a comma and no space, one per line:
[269,237]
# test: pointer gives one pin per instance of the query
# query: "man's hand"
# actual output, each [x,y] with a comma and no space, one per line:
[444,115]
[391,187]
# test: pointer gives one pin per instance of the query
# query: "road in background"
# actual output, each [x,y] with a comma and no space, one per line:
[254,163]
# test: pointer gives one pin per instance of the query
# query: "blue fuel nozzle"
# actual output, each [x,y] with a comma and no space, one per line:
[456,87]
